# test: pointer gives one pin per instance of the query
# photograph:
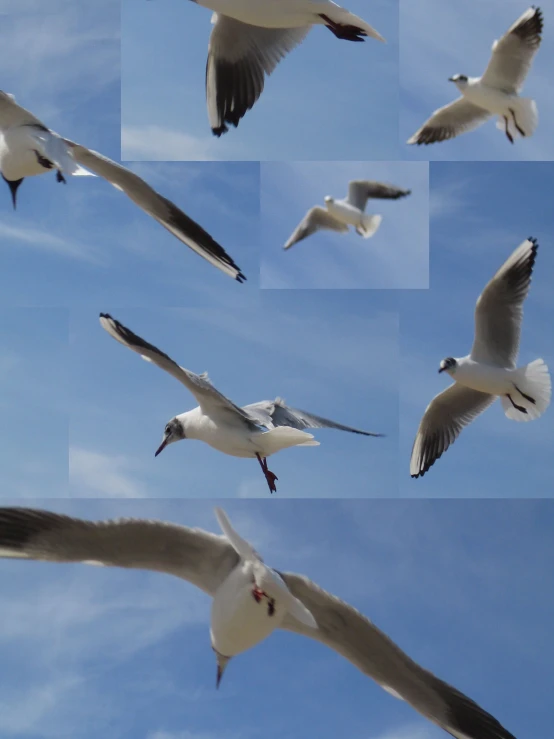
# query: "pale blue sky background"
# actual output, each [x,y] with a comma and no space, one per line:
[464,587]
[479,214]
[86,241]
[34,410]
[292,345]
[396,257]
[328,99]
[440,38]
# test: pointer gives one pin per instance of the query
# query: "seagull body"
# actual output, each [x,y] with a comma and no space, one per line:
[340,214]
[256,430]
[28,148]
[496,92]
[490,370]
[250,600]
[249,39]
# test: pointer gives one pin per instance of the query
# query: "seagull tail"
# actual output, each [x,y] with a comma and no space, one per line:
[526,117]
[532,391]
[283,437]
[369,226]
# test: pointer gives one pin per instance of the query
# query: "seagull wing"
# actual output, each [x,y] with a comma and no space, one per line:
[499,309]
[239,55]
[208,397]
[444,418]
[513,54]
[164,211]
[202,558]
[450,121]
[344,629]
[360,191]
[12,114]
[277,413]
[315,219]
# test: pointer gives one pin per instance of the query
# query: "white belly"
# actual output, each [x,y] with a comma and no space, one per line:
[238,622]
[268,13]
[345,213]
[486,97]
[17,152]
[485,378]
[232,440]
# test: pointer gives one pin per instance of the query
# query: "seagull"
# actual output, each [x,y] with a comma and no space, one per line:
[350,211]
[489,371]
[248,40]
[257,430]
[496,92]
[28,148]
[250,601]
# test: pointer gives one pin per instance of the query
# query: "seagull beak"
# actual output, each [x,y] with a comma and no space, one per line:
[13,185]
[451,79]
[222,663]
[441,369]
[162,446]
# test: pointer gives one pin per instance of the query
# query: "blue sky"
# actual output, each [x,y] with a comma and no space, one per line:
[396,257]
[440,38]
[86,242]
[278,344]
[34,417]
[329,99]
[104,652]
[479,214]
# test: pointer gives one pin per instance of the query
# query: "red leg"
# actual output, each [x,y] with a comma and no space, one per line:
[269,476]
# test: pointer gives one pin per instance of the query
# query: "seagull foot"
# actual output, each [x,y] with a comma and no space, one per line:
[60,177]
[519,408]
[520,130]
[346,32]
[508,134]
[527,397]
[269,475]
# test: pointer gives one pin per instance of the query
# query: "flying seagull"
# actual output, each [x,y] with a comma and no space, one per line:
[250,600]
[348,212]
[489,371]
[496,92]
[248,40]
[257,430]
[28,148]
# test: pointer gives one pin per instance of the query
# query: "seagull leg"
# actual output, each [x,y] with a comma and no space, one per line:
[508,134]
[527,397]
[60,177]
[520,130]
[519,408]
[269,476]
[257,594]
[47,164]
[346,32]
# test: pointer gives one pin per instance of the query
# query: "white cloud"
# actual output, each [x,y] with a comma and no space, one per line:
[36,238]
[154,142]
[94,473]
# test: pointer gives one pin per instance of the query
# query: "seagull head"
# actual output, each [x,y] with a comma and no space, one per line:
[13,185]
[222,662]
[448,365]
[174,431]
[460,80]
[328,199]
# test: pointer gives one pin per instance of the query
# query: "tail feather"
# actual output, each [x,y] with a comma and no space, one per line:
[534,381]
[369,226]
[526,117]
[283,437]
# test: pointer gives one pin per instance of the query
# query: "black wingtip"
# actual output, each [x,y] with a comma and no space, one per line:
[240,278]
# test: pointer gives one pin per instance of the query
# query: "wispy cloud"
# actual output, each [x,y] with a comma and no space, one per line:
[93,473]
[35,238]
[156,143]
